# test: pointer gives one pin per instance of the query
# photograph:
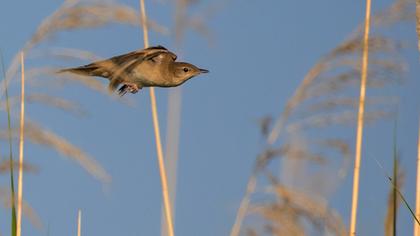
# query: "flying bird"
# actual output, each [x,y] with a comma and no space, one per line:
[151,67]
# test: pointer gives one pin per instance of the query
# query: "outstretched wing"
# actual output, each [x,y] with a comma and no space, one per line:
[156,53]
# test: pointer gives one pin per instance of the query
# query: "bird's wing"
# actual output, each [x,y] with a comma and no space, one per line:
[156,53]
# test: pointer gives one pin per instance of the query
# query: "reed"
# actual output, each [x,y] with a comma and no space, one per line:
[360,122]
[417,210]
[11,161]
[418,23]
[21,143]
[394,201]
[79,223]
[171,149]
[162,170]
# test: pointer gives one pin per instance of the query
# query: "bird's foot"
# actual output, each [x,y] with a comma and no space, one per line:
[128,87]
[132,87]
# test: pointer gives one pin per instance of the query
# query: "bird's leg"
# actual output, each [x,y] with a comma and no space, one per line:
[132,87]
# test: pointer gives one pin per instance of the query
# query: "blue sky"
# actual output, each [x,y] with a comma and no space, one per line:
[259,54]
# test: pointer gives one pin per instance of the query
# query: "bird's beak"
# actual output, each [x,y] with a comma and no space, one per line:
[203,71]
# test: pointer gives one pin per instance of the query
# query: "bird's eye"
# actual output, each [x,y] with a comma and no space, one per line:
[185,69]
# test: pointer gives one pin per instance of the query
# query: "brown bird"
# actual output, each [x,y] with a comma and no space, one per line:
[150,67]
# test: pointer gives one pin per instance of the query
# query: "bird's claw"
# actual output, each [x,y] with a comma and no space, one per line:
[132,88]
[128,87]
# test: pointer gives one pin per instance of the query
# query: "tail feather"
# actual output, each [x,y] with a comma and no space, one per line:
[88,70]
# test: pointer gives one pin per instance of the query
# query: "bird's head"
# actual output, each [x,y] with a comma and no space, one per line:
[184,71]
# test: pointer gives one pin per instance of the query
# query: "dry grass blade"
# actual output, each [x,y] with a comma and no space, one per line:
[45,99]
[417,214]
[41,136]
[27,210]
[285,218]
[360,122]
[418,22]
[344,149]
[161,163]
[393,201]
[288,150]
[286,215]
[337,57]
[401,10]
[56,102]
[171,150]
[244,205]
[44,137]
[5,167]
[296,99]
[346,117]
[349,102]
[375,43]
[313,209]
[9,138]
[61,78]
[89,16]
[88,82]
[416,220]
[79,223]
[21,144]
[196,22]
[66,54]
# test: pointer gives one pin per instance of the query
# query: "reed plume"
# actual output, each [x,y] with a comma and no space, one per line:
[322,109]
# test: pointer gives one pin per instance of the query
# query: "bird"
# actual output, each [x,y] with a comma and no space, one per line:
[154,66]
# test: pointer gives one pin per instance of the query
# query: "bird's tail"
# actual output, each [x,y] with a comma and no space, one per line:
[88,70]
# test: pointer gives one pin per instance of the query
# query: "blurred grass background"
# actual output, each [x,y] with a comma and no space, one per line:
[258,54]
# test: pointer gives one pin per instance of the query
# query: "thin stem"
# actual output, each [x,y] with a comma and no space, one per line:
[360,122]
[162,170]
[79,223]
[144,24]
[244,206]
[171,151]
[418,23]
[9,132]
[21,142]
[416,225]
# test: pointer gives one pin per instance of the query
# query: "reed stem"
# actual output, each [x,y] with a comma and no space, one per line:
[162,170]
[360,121]
[79,223]
[21,142]
[416,225]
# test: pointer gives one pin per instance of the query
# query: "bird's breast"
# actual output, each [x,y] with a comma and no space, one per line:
[152,75]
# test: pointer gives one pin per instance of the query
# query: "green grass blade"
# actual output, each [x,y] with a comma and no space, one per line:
[395,184]
[398,191]
[9,129]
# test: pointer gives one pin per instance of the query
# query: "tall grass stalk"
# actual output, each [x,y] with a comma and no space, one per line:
[394,190]
[9,134]
[416,220]
[21,142]
[416,225]
[171,150]
[79,223]
[243,207]
[162,170]
[360,121]
[418,23]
